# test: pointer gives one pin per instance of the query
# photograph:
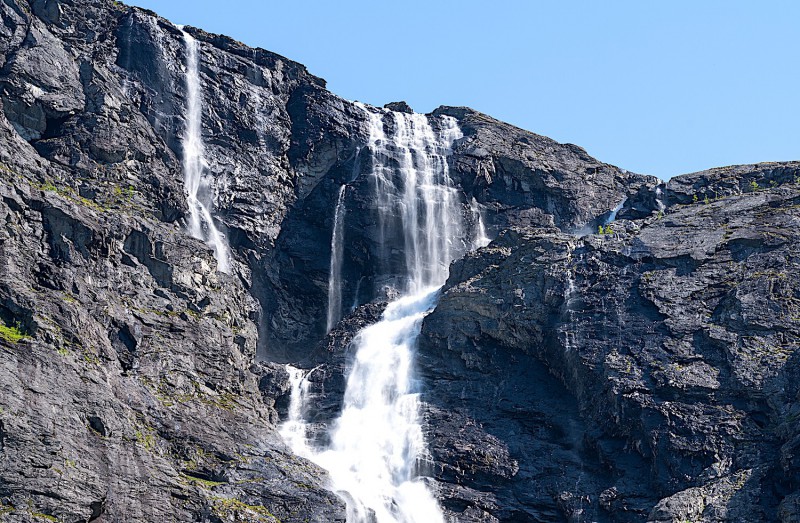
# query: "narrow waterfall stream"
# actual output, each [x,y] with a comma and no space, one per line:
[198,186]
[481,239]
[335,274]
[613,215]
[377,445]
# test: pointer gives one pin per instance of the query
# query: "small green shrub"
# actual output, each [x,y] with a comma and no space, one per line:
[12,334]
[126,194]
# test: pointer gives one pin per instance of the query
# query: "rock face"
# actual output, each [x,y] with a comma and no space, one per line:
[645,374]
[134,394]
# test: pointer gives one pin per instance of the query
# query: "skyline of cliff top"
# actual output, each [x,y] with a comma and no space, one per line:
[661,90]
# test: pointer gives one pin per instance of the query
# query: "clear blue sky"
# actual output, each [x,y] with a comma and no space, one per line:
[660,88]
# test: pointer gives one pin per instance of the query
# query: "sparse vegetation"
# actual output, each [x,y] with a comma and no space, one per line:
[228,508]
[145,438]
[12,334]
[70,194]
[124,194]
[205,483]
[90,357]
[41,515]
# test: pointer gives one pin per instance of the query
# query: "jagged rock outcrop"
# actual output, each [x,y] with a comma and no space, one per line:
[644,374]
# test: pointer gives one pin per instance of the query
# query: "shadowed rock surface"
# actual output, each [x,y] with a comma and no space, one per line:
[646,374]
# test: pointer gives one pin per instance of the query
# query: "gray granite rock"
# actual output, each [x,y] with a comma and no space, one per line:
[648,374]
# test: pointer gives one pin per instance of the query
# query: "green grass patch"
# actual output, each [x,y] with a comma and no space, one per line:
[39,515]
[146,438]
[205,483]
[12,334]
[232,508]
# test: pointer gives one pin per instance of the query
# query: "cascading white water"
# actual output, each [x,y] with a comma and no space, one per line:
[659,203]
[335,273]
[570,295]
[198,189]
[377,446]
[377,443]
[411,178]
[294,429]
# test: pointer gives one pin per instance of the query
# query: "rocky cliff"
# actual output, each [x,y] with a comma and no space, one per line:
[646,373]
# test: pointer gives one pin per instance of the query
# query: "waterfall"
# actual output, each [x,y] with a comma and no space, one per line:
[613,215]
[659,202]
[335,273]
[377,447]
[570,296]
[294,430]
[481,239]
[198,187]
[411,179]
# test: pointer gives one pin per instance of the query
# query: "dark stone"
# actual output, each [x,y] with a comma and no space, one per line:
[97,425]
[667,340]
[400,107]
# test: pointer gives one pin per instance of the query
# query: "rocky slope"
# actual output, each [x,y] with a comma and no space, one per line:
[643,374]
[649,373]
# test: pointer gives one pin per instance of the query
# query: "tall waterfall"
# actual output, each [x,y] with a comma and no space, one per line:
[377,446]
[411,177]
[335,274]
[198,187]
